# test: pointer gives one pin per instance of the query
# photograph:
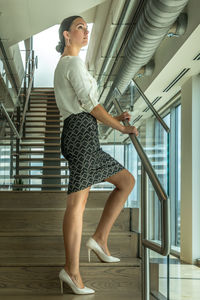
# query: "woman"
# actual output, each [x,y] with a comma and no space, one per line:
[77,99]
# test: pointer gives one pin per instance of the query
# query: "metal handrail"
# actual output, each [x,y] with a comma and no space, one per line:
[27,97]
[24,76]
[3,109]
[151,107]
[12,125]
[164,247]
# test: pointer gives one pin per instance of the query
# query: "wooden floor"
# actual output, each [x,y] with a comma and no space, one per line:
[97,296]
[184,280]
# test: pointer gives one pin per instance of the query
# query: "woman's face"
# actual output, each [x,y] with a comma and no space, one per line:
[78,33]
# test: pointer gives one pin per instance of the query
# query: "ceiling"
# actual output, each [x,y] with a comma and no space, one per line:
[20,19]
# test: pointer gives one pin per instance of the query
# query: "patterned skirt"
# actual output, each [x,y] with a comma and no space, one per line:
[88,163]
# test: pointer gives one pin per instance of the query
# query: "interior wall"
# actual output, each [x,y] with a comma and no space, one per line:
[190,170]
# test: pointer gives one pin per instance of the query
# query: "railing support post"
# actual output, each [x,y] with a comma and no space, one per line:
[145,274]
[17,140]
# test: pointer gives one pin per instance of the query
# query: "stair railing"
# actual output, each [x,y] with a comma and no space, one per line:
[162,248]
[149,104]
[35,64]
[11,124]
[18,131]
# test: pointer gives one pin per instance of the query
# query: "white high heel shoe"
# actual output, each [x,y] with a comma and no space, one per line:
[66,278]
[93,245]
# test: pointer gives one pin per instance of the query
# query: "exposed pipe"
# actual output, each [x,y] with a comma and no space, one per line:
[152,26]
[124,42]
[112,46]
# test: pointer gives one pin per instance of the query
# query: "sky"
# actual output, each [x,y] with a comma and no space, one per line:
[44,44]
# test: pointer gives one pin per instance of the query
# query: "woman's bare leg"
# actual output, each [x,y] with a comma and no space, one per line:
[72,233]
[124,182]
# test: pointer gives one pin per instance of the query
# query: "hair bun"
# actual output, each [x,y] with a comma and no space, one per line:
[59,47]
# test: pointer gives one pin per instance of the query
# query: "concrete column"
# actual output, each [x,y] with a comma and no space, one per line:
[190,170]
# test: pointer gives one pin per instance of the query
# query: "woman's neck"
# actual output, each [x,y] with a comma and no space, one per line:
[71,51]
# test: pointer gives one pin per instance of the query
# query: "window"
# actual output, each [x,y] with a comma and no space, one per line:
[164,153]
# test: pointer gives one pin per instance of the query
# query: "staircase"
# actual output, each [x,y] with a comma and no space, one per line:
[41,164]
[32,248]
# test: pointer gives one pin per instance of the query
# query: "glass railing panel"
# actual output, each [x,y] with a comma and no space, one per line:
[133,165]
[7,160]
[155,142]
[154,213]
[159,276]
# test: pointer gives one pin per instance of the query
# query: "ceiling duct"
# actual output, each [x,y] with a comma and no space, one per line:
[152,26]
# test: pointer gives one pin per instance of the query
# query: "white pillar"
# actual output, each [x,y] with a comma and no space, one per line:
[190,170]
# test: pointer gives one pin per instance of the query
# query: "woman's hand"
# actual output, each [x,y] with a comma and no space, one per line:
[130,129]
[103,116]
[127,129]
[125,115]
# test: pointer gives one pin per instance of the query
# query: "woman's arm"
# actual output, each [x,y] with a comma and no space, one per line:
[102,115]
[115,117]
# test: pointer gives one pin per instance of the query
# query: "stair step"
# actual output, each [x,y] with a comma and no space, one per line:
[120,245]
[42,93]
[20,281]
[5,187]
[42,121]
[23,186]
[43,132]
[50,220]
[41,176]
[51,105]
[36,151]
[40,144]
[45,93]
[42,167]
[28,115]
[59,261]
[43,100]
[45,110]
[44,107]
[41,159]
[50,94]
[43,126]
[40,138]
[44,103]
[48,199]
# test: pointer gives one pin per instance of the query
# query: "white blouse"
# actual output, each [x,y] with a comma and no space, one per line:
[75,89]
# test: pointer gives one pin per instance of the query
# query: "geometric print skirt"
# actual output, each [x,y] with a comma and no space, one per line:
[88,163]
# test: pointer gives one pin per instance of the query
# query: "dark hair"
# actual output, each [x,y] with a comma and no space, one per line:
[65,25]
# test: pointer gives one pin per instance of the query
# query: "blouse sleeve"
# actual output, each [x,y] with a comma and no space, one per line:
[83,85]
